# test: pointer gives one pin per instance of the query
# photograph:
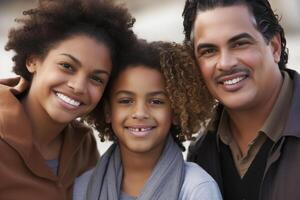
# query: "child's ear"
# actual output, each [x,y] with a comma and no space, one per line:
[31,64]
[175,120]
[107,112]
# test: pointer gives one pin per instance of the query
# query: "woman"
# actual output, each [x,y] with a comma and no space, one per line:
[65,52]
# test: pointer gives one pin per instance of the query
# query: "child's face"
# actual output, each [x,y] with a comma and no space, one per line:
[70,80]
[140,111]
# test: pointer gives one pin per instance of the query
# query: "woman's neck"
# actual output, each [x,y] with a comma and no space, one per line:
[46,133]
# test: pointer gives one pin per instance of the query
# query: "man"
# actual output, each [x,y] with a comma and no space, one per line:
[253,147]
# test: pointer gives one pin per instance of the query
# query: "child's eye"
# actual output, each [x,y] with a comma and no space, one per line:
[156,101]
[125,101]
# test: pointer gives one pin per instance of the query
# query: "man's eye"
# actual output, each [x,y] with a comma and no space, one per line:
[207,52]
[240,44]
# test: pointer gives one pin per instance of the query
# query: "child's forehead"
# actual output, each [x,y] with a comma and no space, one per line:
[139,79]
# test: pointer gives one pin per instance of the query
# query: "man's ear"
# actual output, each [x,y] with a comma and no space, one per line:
[107,112]
[32,63]
[276,47]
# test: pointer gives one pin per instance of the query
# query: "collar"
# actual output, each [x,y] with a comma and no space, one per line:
[292,127]
[287,106]
[16,131]
[275,122]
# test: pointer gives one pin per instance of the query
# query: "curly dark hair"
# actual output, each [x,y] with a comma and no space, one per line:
[190,100]
[267,21]
[54,20]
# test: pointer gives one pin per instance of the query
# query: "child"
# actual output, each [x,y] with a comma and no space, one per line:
[64,52]
[155,101]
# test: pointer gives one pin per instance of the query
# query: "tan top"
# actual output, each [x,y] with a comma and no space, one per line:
[271,129]
[23,171]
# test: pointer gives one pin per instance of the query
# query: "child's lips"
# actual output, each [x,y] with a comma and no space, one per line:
[140,131]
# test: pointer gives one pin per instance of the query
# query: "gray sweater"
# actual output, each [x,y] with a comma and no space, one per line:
[197,185]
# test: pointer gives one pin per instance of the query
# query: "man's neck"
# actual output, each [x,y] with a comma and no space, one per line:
[245,124]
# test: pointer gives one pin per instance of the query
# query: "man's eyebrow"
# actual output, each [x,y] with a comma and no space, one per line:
[241,36]
[204,45]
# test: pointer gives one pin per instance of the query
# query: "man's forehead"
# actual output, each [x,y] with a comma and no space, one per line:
[219,17]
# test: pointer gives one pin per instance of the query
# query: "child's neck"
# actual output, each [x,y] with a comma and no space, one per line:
[46,133]
[137,168]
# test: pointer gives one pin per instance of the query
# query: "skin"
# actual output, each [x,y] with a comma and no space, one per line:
[141,116]
[67,83]
[239,67]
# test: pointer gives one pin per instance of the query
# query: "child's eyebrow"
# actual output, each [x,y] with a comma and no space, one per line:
[126,92]
[157,93]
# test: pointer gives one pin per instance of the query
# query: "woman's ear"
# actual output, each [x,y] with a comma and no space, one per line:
[107,112]
[31,64]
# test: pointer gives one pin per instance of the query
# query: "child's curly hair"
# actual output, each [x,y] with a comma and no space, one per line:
[54,20]
[190,100]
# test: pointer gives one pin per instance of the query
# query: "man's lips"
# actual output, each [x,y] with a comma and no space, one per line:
[233,77]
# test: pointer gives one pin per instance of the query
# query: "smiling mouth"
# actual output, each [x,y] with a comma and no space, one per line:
[68,100]
[140,131]
[234,80]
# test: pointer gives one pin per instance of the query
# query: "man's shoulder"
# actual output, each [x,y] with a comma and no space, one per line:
[201,145]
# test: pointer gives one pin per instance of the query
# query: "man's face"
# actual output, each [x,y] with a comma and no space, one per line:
[239,67]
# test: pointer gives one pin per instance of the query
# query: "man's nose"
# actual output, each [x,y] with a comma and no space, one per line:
[226,61]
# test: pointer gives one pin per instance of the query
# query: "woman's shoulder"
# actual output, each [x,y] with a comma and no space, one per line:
[198,184]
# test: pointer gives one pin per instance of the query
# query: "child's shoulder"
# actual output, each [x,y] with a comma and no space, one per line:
[81,184]
[198,184]
[194,174]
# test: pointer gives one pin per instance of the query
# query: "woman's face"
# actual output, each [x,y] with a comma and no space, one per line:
[70,80]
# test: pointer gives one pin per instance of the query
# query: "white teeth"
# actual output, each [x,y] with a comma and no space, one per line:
[67,99]
[233,81]
[139,129]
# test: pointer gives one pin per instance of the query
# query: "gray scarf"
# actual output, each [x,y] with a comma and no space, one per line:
[164,183]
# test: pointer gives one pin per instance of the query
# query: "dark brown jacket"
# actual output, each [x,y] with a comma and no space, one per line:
[281,180]
[24,173]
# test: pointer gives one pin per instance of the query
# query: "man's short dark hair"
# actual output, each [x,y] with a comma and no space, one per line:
[267,21]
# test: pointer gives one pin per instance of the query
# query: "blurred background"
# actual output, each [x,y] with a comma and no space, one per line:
[155,20]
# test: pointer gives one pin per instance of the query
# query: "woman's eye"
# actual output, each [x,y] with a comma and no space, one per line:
[66,66]
[97,80]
